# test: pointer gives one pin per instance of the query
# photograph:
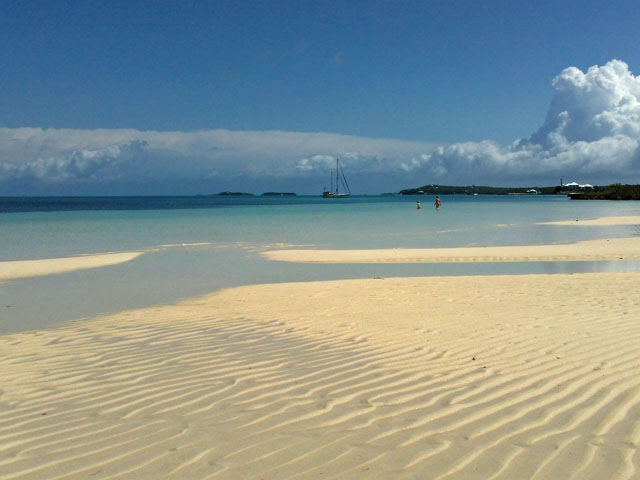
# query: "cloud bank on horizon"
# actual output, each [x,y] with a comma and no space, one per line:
[591,134]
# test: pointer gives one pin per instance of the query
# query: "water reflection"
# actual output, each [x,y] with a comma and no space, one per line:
[169,275]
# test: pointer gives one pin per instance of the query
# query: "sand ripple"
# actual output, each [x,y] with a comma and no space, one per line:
[509,377]
[589,250]
[598,222]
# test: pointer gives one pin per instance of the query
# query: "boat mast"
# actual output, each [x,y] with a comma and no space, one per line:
[337,175]
[344,182]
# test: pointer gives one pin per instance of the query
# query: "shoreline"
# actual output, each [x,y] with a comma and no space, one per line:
[458,377]
[471,376]
[598,222]
[15,269]
[589,250]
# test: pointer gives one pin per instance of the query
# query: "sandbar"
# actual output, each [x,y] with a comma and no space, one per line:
[590,250]
[500,377]
[599,222]
[48,266]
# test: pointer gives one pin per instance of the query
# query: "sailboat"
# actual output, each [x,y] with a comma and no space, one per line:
[340,180]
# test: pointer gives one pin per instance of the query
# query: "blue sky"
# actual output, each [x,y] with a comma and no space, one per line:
[199,97]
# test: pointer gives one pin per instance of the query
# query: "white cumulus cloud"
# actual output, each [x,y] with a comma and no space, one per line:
[591,130]
[101,163]
[591,134]
[87,157]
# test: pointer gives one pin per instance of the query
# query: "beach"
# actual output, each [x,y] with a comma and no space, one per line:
[600,221]
[588,250]
[251,240]
[48,266]
[464,377]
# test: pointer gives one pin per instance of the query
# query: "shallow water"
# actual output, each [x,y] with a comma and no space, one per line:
[215,243]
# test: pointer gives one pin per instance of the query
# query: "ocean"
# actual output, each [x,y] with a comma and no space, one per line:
[196,245]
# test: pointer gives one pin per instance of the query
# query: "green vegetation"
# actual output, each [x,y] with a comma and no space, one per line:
[617,191]
[235,194]
[475,189]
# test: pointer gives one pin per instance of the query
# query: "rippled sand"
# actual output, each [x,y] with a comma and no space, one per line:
[590,250]
[599,222]
[506,377]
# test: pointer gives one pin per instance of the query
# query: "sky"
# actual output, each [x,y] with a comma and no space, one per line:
[184,97]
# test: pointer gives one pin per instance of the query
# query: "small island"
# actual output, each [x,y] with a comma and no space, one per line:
[479,190]
[616,191]
[235,194]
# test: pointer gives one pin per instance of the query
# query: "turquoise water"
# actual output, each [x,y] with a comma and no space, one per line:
[234,231]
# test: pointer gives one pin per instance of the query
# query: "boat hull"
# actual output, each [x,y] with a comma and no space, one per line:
[335,195]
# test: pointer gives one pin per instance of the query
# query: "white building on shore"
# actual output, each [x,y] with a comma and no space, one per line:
[576,186]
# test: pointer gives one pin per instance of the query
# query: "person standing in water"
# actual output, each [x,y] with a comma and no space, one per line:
[418,206]
[437,204]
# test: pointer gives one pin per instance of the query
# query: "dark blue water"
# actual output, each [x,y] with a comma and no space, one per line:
[58,204]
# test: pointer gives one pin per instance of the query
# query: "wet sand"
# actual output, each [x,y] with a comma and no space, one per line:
[599,222]
[590,250]
[49,266]
[472,377]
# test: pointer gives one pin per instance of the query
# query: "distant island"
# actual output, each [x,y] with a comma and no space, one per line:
[235,194]
[615,191]
[478,190]
[244,194]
